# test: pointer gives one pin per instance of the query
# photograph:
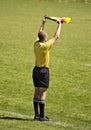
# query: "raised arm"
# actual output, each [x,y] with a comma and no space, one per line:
[57,33]
[43,24]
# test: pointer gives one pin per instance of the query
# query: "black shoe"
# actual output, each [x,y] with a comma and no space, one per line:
[45,118]
[36,118]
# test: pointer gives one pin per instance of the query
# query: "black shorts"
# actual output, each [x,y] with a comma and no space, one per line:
[41,77]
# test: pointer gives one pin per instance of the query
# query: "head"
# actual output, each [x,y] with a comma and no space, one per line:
[42,36]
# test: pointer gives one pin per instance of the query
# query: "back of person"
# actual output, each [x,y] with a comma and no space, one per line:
[41,70]
[41,51]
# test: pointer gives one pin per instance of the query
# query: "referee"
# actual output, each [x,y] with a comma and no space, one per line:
[41,70]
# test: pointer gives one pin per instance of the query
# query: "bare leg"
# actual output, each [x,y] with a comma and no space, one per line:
[39,99]
[43,92]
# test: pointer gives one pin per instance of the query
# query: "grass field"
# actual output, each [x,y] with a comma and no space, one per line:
[68,101]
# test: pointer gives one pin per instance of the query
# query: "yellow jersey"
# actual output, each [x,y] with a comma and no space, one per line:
[41,51]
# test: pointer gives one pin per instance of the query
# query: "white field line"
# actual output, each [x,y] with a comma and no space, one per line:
[8,113]
[4,113]
[65,125]
[89,65]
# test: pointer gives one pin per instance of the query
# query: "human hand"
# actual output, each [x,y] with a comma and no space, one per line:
[58,21]
[44,18]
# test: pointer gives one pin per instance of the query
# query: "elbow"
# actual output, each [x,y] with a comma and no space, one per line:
[56,37]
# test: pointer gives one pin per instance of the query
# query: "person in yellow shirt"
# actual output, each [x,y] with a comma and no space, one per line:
[41,69]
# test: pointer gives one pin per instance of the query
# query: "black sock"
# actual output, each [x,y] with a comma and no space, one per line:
[42,107]
[36,102]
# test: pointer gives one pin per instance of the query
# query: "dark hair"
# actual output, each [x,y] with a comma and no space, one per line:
[41,35]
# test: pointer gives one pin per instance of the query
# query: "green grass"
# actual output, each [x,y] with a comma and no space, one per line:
[68,101]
